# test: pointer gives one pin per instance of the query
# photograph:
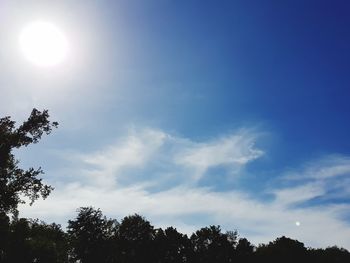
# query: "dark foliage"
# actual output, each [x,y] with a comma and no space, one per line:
[211,245]
[91,237]
[14,181]
[34,241]
[244,251]
[283,249]
[136,236]
[172,246]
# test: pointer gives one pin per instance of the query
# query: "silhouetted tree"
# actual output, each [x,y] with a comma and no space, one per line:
[18,246]
[90,236]
[136,236]
[211,245]
[172,246]
[4,235]
[244,250]
[48,243]
[15,182]
[34,241]
[329,255]
[283,249]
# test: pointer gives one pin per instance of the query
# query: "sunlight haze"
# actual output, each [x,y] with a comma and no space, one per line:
[190,113]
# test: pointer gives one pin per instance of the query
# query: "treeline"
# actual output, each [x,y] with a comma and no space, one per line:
[93,238]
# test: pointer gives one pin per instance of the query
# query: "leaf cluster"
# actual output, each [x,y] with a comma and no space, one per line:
[17,184]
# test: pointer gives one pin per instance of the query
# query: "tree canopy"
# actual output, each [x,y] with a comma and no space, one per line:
[16,183]
[91,235]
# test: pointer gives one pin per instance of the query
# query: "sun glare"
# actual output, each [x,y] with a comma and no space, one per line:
[43,44]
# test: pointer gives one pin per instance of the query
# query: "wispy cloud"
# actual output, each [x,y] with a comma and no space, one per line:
[120,179]
[328,167]
[168,157]
[234,151]
[298,194]
[133,151]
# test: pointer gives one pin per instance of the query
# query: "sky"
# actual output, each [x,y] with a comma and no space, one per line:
[191,113]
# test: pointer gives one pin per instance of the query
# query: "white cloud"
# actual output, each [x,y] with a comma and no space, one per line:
[153,157]
[132,151]
[299,194]
[325,168]
[168,157]
[235,151]
[258,221]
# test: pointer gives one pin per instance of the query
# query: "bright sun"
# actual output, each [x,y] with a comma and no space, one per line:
[43,44]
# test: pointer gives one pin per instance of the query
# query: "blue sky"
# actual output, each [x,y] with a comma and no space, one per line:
[192,113]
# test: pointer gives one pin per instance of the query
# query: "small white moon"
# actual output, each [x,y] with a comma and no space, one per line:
[43,44]
[297,223]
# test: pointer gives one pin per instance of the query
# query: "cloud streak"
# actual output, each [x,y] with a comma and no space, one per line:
[154,173]
[234,151]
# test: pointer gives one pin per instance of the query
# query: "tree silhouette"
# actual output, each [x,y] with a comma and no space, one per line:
[48,243]
[172,246]
[20,233]
[329,255]
[283,249]
[211,245]
[16,183]
[34,241]
[4,235]
[244,250]
[136,237]
[90,236]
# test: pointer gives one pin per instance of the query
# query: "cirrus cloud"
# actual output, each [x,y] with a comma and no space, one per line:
[156,174]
